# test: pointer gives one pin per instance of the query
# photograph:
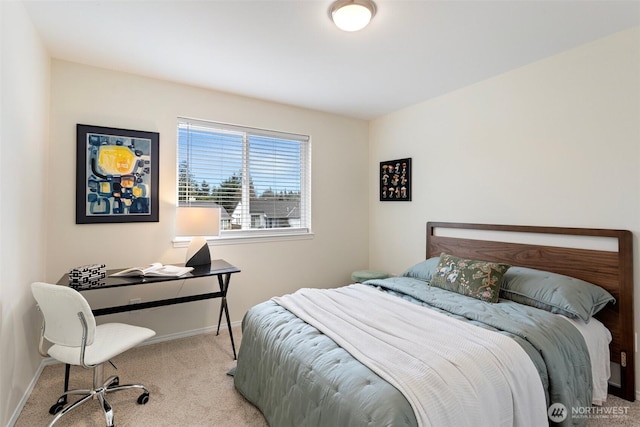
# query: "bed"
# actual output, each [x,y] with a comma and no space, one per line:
[537,367]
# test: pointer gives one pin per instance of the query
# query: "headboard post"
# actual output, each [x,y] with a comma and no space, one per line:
[612,271]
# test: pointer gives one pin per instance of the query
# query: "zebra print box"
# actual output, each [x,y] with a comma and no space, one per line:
[87,276]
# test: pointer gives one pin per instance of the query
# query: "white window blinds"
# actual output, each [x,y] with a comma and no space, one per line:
[260,178]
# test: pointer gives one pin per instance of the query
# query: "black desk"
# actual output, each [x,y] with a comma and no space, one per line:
[219,268]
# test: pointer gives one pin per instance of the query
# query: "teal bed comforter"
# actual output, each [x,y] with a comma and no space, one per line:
[299,377]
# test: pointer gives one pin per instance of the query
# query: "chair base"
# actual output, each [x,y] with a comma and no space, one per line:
[98,392]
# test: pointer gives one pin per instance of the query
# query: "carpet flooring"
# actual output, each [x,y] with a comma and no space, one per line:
[187,380]
[189,386]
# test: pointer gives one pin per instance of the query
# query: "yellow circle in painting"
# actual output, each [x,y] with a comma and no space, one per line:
[116,160]
[140,190]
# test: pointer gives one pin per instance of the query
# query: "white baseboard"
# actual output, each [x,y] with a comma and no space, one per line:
[27,393]
[157,339]
[185,334]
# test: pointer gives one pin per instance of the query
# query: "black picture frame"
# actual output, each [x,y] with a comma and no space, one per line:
[395,180]
[116,175]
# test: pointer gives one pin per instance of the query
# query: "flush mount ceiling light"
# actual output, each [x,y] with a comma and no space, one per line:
[352,15]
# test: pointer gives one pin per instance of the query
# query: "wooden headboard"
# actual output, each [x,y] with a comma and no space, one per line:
[610,269]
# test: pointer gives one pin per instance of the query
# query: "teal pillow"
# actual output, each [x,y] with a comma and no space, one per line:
[553,292]
[364,275]
[473,278]
[423,270]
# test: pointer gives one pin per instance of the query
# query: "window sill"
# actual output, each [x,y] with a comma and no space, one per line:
[183,242]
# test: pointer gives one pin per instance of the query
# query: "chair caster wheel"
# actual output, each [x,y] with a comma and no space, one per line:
[57,407]
[143,399]
[115,383]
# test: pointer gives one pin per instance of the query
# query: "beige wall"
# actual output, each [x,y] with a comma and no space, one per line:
[24,118]
[82,94]
[554,143]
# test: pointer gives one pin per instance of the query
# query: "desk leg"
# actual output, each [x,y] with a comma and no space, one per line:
[67,372]
[224,286]
[62,400]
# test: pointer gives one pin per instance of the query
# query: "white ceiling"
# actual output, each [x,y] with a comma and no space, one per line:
[290,52]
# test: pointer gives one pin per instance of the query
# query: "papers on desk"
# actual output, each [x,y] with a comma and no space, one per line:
[154,270]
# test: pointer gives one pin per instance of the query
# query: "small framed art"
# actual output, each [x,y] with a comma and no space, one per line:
[395,180]
[116,175]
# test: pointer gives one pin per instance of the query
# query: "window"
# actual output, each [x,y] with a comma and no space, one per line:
[259,178]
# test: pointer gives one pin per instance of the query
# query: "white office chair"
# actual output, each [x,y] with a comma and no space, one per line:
[70,326]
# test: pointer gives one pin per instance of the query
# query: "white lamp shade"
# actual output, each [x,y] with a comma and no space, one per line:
[352,15]
[192,221]
[197,222]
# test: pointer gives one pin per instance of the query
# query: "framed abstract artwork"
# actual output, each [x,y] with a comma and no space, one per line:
[395,180]
[116,175]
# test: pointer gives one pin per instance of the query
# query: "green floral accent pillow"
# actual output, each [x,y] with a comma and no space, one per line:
[477,279]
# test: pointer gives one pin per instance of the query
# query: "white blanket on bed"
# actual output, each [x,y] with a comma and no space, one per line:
[451,372]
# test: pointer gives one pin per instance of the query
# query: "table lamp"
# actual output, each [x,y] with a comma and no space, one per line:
[197,222]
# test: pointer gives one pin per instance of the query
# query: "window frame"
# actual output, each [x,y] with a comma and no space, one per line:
[254,234]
